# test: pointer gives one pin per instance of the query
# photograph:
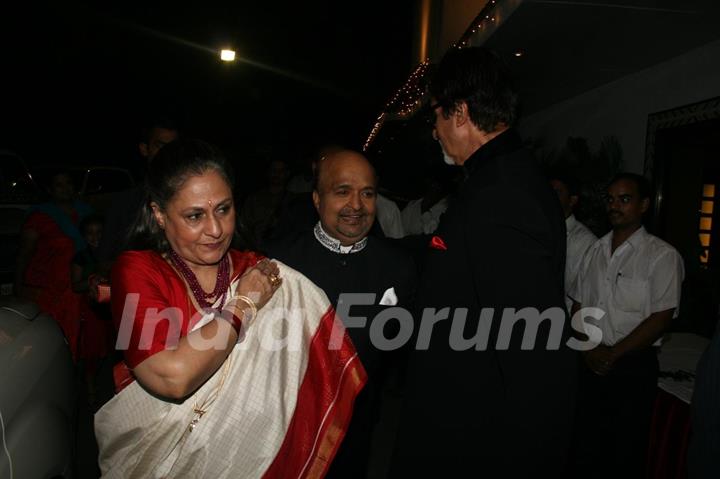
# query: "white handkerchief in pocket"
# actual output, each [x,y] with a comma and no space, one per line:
[389,298]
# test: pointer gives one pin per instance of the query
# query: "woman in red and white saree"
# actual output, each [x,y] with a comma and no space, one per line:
[250,379]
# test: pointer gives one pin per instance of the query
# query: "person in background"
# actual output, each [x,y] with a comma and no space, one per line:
[85,262]
[96,332]
[635,279]
[389,217]
[302,182]
[579,236]
[261,210]
[126,204]
[422,216]
[50,239]
[154,135]
[298,213]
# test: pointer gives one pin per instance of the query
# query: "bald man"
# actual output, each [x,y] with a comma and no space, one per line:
[340,257]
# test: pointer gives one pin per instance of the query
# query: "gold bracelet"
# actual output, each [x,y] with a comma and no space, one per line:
[249,302]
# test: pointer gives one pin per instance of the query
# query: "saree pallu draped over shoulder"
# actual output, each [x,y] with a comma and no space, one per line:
[284,400]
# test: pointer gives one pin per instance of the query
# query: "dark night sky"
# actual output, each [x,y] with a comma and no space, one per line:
[78,80]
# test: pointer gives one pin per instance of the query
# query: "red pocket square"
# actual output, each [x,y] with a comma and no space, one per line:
[437,243]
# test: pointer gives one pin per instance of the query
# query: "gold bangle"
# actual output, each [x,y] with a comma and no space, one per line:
[249,302]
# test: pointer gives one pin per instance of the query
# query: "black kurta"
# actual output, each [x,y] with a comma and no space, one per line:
[374,269]
[504,411]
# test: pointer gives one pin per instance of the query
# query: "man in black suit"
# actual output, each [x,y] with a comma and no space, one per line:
[480,401]
[341,257]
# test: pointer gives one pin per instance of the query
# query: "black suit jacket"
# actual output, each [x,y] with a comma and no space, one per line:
[375,269]
[501,245]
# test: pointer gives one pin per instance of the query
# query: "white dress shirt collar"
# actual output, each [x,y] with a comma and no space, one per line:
[570,223]
[636,240]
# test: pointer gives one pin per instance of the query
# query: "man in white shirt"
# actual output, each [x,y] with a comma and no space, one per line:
[635,278]
[422,216]
[579,237]
[417,221]
[389,217]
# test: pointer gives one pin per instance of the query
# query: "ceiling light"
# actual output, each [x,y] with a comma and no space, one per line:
[227,55]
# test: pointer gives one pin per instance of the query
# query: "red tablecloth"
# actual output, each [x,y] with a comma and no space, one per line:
[669,436]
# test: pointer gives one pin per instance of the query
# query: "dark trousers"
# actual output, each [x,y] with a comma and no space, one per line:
[613,418]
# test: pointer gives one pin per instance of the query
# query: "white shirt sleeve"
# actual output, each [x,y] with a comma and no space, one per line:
[431,218]
[575,292]
[388,214]
[578,245]
[411,218]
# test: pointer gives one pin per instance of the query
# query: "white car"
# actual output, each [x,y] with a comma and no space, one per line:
[18,191]
[37,394]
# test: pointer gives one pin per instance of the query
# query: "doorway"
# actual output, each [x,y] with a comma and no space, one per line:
[684,164]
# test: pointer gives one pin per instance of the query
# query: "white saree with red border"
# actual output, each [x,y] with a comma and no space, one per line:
[281,411]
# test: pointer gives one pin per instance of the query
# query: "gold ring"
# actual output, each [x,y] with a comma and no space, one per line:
[274,280]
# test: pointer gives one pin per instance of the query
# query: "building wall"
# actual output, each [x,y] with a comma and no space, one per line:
[621,108]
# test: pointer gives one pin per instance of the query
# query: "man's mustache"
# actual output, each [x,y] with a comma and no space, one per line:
[350,212]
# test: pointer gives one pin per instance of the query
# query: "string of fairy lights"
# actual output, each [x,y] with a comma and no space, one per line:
[404,103]
[408,99]
[483,18]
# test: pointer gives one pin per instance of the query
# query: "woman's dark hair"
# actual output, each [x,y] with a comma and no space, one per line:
[478,77]
[167,173]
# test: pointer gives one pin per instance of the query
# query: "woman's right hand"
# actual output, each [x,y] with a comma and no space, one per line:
[260,282]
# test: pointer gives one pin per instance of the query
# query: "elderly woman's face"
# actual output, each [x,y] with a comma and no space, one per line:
[199,221]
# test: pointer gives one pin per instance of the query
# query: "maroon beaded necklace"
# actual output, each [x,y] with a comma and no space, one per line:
[222,281]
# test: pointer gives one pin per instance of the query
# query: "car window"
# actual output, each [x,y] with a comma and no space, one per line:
[43,174]
[107,181]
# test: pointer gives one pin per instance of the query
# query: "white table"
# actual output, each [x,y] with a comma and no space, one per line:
[680,352]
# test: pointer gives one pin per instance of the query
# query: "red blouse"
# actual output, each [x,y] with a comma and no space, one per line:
[155,298]
[50,264]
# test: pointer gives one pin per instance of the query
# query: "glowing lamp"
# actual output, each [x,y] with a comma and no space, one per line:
[227,55]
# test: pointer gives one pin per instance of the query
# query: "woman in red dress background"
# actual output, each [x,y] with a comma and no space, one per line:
[50,238]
